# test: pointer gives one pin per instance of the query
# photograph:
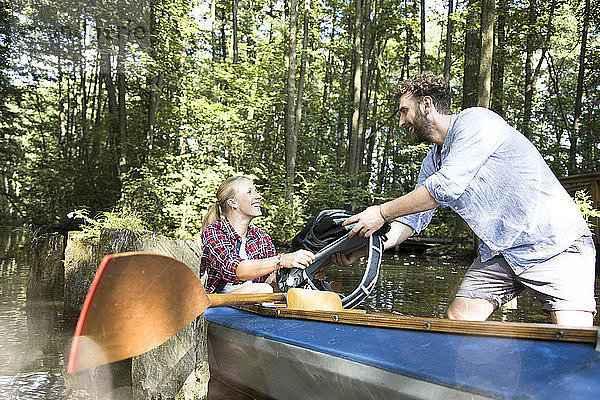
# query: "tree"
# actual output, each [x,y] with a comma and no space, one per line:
[422,56]
[499,59]
[353,163]
[471,56]
[575,132]
[529,48]
[291,134]
[449,28]
[487,46]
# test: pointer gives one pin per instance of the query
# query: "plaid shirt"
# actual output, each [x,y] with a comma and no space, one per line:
[221,253]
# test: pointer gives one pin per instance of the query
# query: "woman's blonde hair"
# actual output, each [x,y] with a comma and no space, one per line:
[228,189]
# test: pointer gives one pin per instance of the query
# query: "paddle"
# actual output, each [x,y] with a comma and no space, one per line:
[138,301]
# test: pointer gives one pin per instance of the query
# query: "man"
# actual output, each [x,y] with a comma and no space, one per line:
[533,234]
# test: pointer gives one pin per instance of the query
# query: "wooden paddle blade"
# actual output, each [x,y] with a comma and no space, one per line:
[311,300]
[137,301]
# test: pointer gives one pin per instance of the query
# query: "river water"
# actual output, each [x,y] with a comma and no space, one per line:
[32,331]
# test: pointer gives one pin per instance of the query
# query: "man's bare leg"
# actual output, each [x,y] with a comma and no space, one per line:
[467,309]
[572,318]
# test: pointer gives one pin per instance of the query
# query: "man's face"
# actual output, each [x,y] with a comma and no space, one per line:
[414,120]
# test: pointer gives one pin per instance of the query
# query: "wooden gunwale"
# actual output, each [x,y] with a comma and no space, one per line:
[486,328]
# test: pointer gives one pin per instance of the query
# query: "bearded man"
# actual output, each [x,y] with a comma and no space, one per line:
[533,235]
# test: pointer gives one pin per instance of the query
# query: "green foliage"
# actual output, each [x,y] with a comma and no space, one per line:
[282,222]
[586,206]
[91,227]
[64,147]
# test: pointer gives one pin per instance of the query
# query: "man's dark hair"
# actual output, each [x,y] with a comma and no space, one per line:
[427,85]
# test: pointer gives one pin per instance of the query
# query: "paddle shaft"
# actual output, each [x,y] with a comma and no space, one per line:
[230,299]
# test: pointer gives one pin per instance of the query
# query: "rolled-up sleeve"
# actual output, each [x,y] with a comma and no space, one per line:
[222,254]
[419,221]
[471,144]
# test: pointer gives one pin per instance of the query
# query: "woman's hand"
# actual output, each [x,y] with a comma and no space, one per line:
[298,259]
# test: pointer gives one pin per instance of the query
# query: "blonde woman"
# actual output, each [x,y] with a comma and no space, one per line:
[238,257]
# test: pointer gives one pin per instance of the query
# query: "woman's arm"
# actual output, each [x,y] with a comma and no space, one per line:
[252,269]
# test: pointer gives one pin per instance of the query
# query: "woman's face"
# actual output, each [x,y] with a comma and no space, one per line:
[248,200]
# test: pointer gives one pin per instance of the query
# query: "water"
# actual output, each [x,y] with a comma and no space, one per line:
[420,286]
[32,331]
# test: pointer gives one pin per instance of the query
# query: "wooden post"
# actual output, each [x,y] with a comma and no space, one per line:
[592,183]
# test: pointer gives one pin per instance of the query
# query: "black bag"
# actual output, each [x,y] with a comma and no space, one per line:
[320,231]
[325,235]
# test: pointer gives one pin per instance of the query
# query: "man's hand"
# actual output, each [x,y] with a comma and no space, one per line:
[342,260]
[347,260]
[367,222]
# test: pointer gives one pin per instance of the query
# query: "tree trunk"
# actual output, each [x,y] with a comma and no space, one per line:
[155,83]
[471,61]
[531,28]
[448,58]
[405,71]
[328,68]
[234,7]
[155,90]
[106,78]
[212,23]
[579,93]
[364,85]
[301,78]
[251,39]
[291,137]
[500,55]
[487,49]
[383,163]
[223,36]
[422,58]
[123,140]
[463,235]
[62,118]
[83,150]
[353,162]
[373,135]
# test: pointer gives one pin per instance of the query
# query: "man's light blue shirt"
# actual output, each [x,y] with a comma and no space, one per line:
[498,182]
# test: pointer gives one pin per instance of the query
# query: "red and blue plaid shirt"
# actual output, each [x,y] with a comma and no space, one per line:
[221,253]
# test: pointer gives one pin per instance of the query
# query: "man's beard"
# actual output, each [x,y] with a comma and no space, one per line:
[423,129]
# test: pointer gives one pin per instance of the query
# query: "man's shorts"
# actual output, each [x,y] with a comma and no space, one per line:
[564,282]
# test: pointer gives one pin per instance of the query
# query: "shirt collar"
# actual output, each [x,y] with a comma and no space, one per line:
[231,233]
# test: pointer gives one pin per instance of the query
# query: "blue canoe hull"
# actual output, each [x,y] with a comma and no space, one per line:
[290,359]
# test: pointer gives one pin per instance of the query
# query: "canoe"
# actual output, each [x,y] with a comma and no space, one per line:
[287,354]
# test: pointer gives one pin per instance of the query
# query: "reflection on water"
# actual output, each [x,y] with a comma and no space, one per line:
[30,331]
[37,385]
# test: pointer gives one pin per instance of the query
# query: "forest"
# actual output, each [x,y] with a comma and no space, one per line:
[139,109]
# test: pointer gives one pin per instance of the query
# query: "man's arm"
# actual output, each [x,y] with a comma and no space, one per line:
[397,234]
[374,217]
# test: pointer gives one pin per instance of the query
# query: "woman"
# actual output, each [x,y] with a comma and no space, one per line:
[238,257]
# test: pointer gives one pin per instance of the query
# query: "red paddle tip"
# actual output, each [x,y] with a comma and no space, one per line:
[83,315]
